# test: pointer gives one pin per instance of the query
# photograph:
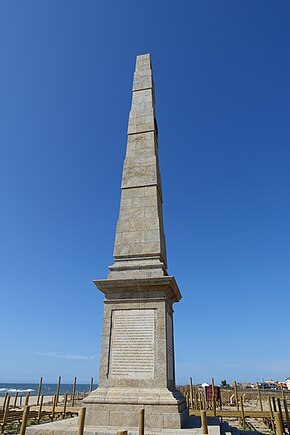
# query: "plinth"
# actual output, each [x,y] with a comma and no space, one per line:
[137,356]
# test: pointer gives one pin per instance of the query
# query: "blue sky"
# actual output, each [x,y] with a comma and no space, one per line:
[221,73]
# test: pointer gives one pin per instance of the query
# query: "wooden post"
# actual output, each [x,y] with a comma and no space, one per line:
[204,427]
[272,414]
[213,397]
[39,390]
[24,420]
[286,414]
[279,405]
[236,395]
[191,393]
[280,411]
[274,404]
[91,384]
[64,405]
[260,397]
[53,407]
[40,409]
[6,410]
[74,391]
[141,421]
[203,400]
[200,401]
[82,415]
[242,411]
[15,399]
[283,393]
[187,400]
[279,423]
[27,398]
[58,389]
[5,399]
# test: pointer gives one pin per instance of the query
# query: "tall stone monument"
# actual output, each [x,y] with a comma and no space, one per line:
[137,354]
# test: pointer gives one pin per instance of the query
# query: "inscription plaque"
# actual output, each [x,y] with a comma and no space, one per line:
[132,344]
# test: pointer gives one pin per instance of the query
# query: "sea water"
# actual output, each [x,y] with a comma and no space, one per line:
[46,389]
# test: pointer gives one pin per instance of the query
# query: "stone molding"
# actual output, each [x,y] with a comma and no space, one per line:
[166,283]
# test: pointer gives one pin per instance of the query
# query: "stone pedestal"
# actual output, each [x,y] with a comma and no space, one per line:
[137,356]
[163,409]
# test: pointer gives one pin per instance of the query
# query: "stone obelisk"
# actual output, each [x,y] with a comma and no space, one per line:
[137,353]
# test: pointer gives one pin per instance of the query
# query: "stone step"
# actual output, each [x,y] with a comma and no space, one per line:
[70,427]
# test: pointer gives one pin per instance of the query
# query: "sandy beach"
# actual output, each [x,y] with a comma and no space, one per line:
[32,400]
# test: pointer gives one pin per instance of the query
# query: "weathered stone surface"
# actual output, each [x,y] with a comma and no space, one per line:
[140,250]
[123,409]
[153,296]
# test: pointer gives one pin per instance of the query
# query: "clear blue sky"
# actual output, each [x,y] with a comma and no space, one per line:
[222,78]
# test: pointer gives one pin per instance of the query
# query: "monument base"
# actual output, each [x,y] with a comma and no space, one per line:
[121,407]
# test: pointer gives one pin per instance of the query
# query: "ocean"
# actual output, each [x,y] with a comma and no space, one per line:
[47,389]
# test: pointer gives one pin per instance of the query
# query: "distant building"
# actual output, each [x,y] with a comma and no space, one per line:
[287,383]
[275,385]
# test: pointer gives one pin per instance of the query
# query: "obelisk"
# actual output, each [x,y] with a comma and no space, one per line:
[137,353]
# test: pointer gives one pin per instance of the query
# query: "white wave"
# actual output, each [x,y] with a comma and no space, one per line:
[25,391]
[15,390]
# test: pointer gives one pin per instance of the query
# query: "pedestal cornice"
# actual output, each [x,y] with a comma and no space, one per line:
[139,286]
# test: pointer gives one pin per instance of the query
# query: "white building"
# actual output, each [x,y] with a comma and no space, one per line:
[288,383]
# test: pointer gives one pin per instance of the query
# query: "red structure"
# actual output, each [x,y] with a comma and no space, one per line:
[217,394]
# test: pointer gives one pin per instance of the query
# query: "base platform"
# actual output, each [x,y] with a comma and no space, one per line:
[70,427]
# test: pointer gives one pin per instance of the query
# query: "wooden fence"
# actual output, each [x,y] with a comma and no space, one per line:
[11,413]
[232,405]
[19,411]
[272,409]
